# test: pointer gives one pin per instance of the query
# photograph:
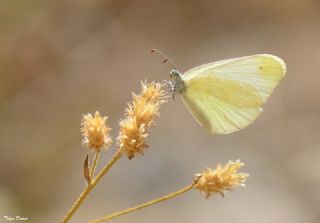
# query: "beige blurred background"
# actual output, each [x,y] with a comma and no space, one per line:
[61,59]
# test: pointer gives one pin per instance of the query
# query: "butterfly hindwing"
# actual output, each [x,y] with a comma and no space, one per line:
[216,106]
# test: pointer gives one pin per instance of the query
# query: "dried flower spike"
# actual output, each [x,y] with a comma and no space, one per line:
[221,179]
[140,115]
[95,132]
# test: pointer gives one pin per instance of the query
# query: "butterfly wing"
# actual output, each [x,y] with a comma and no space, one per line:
[226,96]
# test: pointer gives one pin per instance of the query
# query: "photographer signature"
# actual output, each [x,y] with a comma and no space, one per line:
[15,218]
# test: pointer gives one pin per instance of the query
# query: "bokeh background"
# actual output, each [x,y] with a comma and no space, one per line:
[61,59]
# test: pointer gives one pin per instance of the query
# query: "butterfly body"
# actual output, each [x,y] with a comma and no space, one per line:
[226,96]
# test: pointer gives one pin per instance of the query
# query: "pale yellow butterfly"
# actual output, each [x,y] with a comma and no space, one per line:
[227,95]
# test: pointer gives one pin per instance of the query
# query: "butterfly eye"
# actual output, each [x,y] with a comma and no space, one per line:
[174,74]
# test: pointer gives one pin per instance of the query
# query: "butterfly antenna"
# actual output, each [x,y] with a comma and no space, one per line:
[166,58]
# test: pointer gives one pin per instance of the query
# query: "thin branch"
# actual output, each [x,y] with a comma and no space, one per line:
[89,187]
[149,203]
[94,166]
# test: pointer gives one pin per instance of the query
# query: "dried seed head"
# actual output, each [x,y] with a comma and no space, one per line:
[154,92]
[95,132]
[221,179]
[140,115]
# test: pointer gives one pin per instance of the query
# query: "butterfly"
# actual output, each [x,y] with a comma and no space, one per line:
[227,95]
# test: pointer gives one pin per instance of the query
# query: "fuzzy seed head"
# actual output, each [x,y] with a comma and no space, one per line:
[95,132]
[223,178]
[140,116]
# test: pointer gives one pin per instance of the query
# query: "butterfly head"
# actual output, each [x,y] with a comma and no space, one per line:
[176,81]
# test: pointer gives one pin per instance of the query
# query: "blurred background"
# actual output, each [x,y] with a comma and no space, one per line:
[61,59]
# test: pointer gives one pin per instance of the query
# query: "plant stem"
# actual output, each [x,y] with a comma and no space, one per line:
[95,162]
[89,187]
[149,203]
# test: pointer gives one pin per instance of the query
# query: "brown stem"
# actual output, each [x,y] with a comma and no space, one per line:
[149,203]
[89,187]
[94,165]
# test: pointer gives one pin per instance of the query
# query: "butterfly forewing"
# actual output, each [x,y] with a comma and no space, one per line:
[226,96]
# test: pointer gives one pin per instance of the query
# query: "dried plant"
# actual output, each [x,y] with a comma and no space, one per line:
[95,132]
[132,140]
[140,115]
